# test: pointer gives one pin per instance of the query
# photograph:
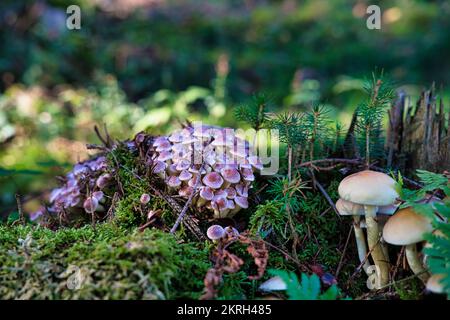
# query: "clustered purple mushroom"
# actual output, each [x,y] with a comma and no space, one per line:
[81,191]
[214,160]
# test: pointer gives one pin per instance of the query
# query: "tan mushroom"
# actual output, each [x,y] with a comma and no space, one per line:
[407,228]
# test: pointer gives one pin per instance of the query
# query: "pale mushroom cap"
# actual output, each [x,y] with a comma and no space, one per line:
[145,198]
[213,180]
[173,181]
[406,227]
[90,204]
[183,164]
[368,188]
[98,195]
[164,156]
[390,209]
[241,202]
[186,191]
[193,181]
[231,175]
[230,204]
[185,175]
[242,190]
[215,232]
[158,141]
[103,180]
[255,162]
[164,146]
[231,192]
[177,136]
[273,284]
[159,167]
[347,208]
[434,283]
[220,194]
[231,230]
[247,174]
[206,193]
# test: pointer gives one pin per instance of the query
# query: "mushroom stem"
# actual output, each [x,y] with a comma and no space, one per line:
[383,244]
[373,237]
[360,243]
[415,264]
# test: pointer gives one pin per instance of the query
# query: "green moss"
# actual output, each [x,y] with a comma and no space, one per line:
[115,263]
[409,290]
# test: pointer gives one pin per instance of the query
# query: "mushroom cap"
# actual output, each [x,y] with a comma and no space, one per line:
[230,204]
[98,195]
[206,193]
[164,156]
[183,164]
[231,230]
[406,227]
[158,167]
[273,284]
[215,232]
[368,188]
[231,192]
[347,208]
[194,180]
[247,174]
[145,198]
[220,194]
[176,136]
[159,140]
[434,283]
[255,162]
[230,175]
[242,190]
[103,180]
[164,146]
[185,175]
[241,202]
[389,209]
[173,181]
[90,204]
[186,191]
[213,180]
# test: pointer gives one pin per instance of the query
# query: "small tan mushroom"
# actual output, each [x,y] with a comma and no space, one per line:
[407,228]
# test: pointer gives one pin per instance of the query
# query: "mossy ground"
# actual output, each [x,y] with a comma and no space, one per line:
[116,263]
[119,262]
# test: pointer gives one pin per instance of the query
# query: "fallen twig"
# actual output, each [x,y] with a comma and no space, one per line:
[186,206]
[338,269]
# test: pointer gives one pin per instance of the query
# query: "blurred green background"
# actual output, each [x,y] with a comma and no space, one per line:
[144,64]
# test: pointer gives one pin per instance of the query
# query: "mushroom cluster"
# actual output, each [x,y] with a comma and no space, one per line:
[209,164]
[364,194]
[371,198]
[81,191]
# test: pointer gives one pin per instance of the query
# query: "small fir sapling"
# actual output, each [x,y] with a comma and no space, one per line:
[254,113]
[370,115]
[317,130]
[291,128]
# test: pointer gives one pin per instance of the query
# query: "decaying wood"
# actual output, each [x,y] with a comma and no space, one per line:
[419,137]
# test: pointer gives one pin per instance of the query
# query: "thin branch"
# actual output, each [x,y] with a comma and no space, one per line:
[186,205]
[343,252]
